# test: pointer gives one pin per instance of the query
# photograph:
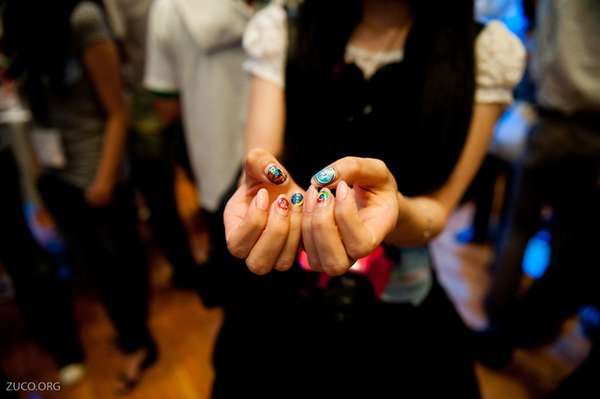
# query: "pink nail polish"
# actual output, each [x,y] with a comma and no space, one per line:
[262,199]
[342,190]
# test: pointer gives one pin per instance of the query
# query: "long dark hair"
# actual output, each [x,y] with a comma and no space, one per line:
[439,56]
[38,39]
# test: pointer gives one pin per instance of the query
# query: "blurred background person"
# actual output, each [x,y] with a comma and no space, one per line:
[43,297]
[155,146]
[70,76]
[560,169]
[194,68]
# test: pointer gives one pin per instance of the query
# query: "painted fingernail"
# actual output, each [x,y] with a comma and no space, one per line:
[324,195]
[325,176]
[342,190]
[297,199]
[262,199]
[283,204]
[275,174]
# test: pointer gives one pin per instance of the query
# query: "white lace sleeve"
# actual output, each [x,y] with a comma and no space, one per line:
[500,60]
[265,41]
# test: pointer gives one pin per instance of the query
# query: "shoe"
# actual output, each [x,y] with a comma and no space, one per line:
[71,374]
[129,383]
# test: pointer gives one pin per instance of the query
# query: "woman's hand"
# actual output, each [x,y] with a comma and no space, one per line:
[338,230]
[263,218]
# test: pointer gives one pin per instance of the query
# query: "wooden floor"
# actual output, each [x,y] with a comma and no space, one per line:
[186,331]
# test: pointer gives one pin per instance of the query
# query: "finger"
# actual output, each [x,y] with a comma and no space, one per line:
[290,250]
[357,239]
[327,240]
[307,237]
[266,251]
[242,237]
[262,167]
[366,172]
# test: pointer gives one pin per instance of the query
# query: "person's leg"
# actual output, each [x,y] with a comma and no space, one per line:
[43,299]
[522,222]
[123,278]
[153,174]
[155,178]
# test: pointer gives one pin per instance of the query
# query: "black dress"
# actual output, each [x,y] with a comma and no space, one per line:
[283,336]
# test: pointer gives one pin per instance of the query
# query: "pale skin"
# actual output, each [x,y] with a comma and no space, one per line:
[368,209]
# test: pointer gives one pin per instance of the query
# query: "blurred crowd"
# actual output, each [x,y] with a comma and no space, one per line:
[104,103]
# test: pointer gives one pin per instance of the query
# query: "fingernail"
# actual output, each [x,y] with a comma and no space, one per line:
[310,199]
[342,190]
[324,177]
[283,205]
[297,199]
[275,174]
[262,199]
[324,195]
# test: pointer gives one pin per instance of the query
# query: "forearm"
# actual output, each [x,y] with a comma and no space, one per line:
[115,137]
[421,219]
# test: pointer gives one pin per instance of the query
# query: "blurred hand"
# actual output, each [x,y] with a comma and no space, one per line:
[263,218]
[99,194]
[338,230]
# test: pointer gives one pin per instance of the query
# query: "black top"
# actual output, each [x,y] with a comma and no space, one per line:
[344,114]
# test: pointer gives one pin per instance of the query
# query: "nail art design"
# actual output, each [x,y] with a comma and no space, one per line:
[275,174]
[323,196]
[325,176]
[297,199]
[283,203]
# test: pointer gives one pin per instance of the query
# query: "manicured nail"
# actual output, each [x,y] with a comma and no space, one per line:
[324,177]
[284,205]
[297,199]
[262,199]
[342,190]
[324,195]
[275,174]
[311,195]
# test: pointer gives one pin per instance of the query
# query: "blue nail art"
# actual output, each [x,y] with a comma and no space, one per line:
[325,176]
[297,199]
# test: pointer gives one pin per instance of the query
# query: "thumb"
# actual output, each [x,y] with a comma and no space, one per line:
[364,172]
[262,167]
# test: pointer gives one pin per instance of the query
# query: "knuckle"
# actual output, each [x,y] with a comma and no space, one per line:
[253,156]
[236,249]
[277,229]
[257,267]
[335,269]
[352,163]
[284,263]
[320,224]
[358,251]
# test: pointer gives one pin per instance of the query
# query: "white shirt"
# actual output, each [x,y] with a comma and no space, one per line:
[566,62]
[500,56]
[194,50]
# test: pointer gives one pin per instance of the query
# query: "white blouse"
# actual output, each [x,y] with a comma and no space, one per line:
[500,56]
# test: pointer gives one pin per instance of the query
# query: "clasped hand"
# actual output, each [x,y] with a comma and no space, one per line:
[270,216]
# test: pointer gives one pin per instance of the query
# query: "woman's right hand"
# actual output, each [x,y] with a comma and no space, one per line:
[263,219]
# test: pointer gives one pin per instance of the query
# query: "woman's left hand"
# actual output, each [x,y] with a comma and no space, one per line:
[338,230]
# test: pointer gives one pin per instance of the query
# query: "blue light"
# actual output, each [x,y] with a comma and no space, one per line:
[537,255]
